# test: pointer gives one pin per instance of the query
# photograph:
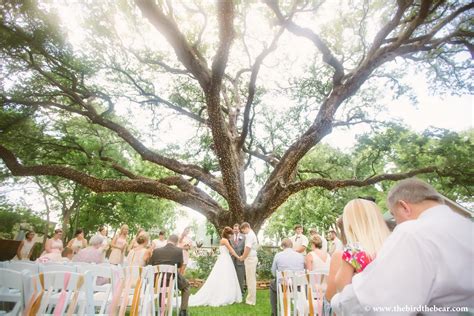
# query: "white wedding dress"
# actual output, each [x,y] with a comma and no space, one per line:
[221,286]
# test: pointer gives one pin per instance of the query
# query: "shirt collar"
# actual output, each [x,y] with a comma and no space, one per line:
[432,211]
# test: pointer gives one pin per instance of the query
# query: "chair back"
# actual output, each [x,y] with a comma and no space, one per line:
[19,266]
[165,289]
[63,292]
[53,267]
[11,291]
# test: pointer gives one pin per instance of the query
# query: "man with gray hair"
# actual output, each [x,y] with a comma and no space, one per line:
[286,260]
[426,263]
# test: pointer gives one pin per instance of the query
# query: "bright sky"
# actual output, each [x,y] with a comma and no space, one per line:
[451,112]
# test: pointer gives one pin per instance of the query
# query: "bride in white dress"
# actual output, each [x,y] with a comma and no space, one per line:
[222,285]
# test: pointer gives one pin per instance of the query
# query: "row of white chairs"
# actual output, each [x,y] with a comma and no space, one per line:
[87,289]
[301,293]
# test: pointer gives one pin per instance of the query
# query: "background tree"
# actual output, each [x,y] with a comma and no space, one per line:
[394,148]
[120,83]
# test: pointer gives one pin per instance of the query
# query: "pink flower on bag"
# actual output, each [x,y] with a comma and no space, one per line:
[363,260]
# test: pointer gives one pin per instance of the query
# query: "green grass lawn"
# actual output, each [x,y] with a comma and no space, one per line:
[261,308]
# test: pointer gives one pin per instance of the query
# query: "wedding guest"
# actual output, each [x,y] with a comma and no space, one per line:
[238,243]
[426,261]
[139,255]
[25,249]
[66,255]
[118,245]
[161,241]
[134,243]
[335,244]
[105,239]
[317,260]
[286,260]
[300,241]
[173,255]
[78,242]
[250,259]
[54,245]
[324,243]
[93,253]
[185,243]
[366,231]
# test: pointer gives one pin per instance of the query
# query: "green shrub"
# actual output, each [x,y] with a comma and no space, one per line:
[265,259]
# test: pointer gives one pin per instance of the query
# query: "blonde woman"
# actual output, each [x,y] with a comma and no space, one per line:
[118,245]
[317,260]
[134,243]
[365,231]
[139,255]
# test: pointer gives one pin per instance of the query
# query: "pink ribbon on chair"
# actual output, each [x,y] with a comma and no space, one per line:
[62,296]
[116,294]
[163,294]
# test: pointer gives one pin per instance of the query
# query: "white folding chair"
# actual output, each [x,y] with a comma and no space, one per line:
[11,291]
[62,292]
[317,280]
[163,289]
[104,278]
[286,292]
[19,266]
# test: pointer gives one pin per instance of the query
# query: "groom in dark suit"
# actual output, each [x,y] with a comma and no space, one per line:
[170,254]
[238,243]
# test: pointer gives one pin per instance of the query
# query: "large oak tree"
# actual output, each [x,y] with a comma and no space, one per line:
[205,64]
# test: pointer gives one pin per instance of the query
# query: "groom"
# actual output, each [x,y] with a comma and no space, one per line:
[249,257]
[238,243]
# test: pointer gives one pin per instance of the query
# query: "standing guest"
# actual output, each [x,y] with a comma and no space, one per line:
[161,241]
[173,255]
[324,243]
[78,242]
[426,261]
[335,244]
[25,249]
[139,255]
[54,246]
[93,253]
[250,259]
[185,243]
[286,260]
[317,260]
[300,241]
[105,239]
[134,243]
[118,245]
[238,243]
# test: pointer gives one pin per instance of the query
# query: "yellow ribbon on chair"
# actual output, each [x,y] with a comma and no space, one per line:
[35,302]
[310,296]
[75,297]
[285,294]
[136,294]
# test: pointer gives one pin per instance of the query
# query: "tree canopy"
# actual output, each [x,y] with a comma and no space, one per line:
[91,96]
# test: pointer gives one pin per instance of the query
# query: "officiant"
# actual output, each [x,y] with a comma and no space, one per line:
[238,243]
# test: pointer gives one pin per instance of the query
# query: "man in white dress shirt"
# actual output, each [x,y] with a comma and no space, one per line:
[335,243]
[300,241]
[249,257]
[424,266]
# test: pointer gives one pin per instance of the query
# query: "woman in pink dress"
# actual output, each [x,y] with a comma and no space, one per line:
[78,242]
[139,255]
[185,242]
[54,246]
[118,245]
